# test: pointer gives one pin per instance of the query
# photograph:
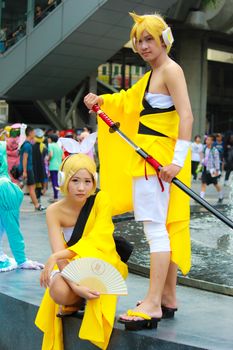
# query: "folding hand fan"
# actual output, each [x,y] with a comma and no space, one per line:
[97,275]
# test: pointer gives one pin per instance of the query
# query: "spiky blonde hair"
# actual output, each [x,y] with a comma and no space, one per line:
[153,24]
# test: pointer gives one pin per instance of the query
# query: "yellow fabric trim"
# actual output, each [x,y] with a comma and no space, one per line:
[138,314]
[166,123]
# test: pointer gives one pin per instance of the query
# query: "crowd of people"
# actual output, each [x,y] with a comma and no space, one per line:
[34,157]
[210,158]
[42,11]
[10,35]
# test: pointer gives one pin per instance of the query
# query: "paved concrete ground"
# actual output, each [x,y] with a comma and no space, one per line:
[204,319]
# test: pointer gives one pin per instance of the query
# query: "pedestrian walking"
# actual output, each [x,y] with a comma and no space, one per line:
[55,159]
[26,166]
[228,158]
[211,168]
[197,149]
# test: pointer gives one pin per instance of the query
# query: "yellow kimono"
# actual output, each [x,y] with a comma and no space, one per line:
[119,162]
[97,241]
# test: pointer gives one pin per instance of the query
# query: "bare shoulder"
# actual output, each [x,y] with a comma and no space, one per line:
[173,69]
[55,209]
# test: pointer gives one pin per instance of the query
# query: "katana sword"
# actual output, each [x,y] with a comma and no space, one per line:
[115,127]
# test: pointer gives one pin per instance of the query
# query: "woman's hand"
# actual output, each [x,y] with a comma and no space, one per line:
[84,292]
[92,99]
[45,274]
[167,173]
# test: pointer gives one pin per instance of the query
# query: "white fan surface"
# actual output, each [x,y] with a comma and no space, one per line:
[96,274]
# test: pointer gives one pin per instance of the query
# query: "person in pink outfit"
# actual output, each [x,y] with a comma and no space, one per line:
[12,148]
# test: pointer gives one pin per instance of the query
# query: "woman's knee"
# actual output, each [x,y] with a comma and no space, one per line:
[59,290]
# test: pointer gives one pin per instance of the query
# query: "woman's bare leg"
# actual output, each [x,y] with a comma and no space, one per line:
[61,292]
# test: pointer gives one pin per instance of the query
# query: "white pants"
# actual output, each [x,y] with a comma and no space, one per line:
[151,206]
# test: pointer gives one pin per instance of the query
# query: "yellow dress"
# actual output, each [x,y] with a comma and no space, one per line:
[119,162]
[97,241]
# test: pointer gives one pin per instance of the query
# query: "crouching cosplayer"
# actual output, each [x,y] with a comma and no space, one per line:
[77,180]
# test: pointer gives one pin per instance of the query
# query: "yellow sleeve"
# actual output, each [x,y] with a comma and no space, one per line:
[120,104]
[126,105]
[114,153]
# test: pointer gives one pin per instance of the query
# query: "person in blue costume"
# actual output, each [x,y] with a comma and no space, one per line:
[11,198]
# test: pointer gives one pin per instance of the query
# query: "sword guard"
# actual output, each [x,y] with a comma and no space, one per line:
[114,127]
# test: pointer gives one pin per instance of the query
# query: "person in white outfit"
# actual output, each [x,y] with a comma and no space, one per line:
[197,149]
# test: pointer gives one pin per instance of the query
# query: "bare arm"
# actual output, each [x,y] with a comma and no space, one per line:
[52,260]
[54,232]
[81,291]
[50,155]
[25,161]
[176,85]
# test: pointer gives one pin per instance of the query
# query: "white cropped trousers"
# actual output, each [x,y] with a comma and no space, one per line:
[151,206]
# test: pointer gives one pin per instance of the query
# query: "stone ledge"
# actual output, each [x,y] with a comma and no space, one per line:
[198,324]
[18,331]
[120,339]
[186,281]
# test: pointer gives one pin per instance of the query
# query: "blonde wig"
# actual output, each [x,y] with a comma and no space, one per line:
[71,165]
[154,25]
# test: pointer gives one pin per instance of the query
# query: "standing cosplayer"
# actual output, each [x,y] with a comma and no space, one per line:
[11,198]
[156,114]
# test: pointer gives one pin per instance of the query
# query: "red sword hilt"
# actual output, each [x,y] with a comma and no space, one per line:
[112,126]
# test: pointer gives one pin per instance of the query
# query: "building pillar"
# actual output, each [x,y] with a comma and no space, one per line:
[130,75]
[63,108]
[0,13]
[192,55]
[93,88]
[30,15]
[110,73]
[123,69]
